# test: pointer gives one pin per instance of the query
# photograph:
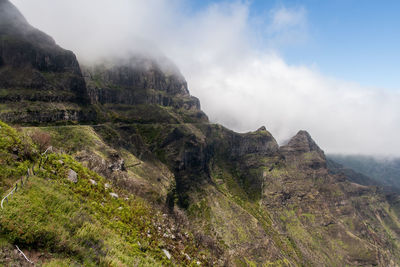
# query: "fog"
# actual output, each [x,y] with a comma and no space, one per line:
[232,62]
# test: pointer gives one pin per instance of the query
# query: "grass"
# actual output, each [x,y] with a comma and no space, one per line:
[15,156]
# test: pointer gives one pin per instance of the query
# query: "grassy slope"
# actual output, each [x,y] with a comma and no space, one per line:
[78,223]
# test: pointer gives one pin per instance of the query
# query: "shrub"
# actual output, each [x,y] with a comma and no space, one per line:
[41,139]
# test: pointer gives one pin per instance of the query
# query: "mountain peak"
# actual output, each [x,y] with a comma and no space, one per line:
[302,142]
[13,24]
[303,147]
[9,14]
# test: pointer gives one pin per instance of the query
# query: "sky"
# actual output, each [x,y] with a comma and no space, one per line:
[328,67]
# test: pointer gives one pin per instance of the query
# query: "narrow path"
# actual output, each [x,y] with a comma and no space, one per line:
[15,189]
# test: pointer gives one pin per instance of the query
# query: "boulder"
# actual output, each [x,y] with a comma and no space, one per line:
[167,254]
[72,176]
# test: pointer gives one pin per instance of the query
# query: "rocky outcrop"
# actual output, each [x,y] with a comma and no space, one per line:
[302,150]
[259,142]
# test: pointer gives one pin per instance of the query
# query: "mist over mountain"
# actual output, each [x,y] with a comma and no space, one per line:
[385,171]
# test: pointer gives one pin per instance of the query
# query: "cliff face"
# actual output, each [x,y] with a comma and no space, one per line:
[138,81]
[34,69]
[121,86]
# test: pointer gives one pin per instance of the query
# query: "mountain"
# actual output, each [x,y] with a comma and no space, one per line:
[138,176]
[384,172]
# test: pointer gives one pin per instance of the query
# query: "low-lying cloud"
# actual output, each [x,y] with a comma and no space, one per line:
[240,78]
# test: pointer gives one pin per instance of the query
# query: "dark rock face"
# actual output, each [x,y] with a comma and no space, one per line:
[139,81]
[33,68]
[30,59]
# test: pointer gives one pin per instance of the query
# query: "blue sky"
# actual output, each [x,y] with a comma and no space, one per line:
[352,40]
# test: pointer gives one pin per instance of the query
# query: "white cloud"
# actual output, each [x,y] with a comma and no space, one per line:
[239,84]
[287,26]
[284,18]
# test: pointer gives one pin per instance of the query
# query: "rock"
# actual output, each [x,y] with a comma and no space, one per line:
[117,163]
[93,182]
[187,257]
[72,176]
[114,195]
[167,254]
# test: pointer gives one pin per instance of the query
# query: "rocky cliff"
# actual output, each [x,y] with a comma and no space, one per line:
[139,80]
[125,86]
[39,81]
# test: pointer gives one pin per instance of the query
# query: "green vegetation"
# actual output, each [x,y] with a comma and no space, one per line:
[16,155]
[71,138]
